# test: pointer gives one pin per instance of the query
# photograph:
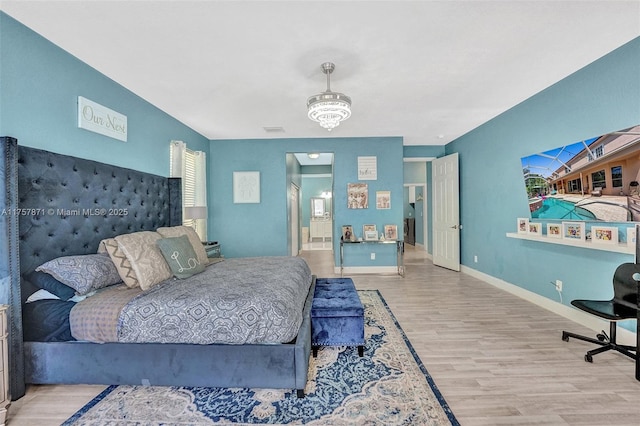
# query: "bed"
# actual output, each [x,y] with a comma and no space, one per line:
[68,207]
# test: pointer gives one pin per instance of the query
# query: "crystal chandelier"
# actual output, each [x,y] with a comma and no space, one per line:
[329,108]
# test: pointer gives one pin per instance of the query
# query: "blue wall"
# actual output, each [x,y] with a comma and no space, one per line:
[262,229]
[40,84]
[602,97]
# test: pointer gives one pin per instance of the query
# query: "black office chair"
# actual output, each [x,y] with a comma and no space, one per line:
[623,306]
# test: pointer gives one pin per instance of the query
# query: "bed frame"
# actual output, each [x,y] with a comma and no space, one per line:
[60,200]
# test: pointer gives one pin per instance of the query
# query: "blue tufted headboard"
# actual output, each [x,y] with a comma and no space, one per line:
[67,205]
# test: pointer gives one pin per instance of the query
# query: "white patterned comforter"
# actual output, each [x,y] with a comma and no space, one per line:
[237,301]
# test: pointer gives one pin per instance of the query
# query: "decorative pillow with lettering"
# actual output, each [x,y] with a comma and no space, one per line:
[179,254]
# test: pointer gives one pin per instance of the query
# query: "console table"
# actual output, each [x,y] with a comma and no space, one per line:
[399,248]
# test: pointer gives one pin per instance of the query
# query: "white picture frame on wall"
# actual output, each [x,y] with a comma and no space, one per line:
[535,228]
[604,235]
[631,236]
[246,187]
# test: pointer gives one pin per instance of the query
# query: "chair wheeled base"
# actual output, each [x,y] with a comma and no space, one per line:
[606,343]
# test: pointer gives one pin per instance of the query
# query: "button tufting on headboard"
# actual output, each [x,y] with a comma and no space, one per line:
[78,202]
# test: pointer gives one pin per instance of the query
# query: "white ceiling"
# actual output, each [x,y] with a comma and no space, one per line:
[428,71]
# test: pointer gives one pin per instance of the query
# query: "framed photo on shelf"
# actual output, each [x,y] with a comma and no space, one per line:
[535,228]
[573,231]
[347,233]
[370,232]
[523,225]
[604,235]
[391,232]
[554,230]
[631,236]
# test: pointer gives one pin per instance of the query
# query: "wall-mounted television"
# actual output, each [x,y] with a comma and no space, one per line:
[597,179]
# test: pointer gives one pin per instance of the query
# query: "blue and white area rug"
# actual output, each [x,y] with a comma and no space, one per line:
[388,386]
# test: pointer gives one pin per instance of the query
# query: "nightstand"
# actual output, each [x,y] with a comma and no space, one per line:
[212,248]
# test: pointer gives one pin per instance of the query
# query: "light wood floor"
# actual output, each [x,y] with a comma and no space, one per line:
[497,360]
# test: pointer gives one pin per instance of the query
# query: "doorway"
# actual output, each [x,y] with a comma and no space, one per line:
[316,200]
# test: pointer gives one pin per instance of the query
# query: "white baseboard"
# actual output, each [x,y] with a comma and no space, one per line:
[366,270]
[624,336]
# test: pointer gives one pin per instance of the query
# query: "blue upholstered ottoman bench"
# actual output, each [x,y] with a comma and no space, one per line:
[337,315]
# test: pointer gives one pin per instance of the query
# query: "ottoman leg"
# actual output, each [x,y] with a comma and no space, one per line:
[361,350]
[314,349]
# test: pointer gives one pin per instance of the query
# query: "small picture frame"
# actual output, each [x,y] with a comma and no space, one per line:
[573,231]
[370,232]
[535,228]
[604,235]
[523,225]
[390,232]
[347,233]
[631,236]
[554,230]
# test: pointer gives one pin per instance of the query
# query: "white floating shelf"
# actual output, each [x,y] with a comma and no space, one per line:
[618,248]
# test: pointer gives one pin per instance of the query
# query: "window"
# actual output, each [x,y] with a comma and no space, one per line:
[616,176]
[191,167]
[597,153]
[575,185]
[598,179]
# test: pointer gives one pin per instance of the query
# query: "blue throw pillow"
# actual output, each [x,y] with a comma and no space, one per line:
[180,255]
[49,283]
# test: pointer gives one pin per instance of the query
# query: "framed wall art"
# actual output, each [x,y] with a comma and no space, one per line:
[604,234]
[535,228]
[246,187]
[573,231]
[523,225]
[631,236]
[554,230]
[383,199]
[357,196]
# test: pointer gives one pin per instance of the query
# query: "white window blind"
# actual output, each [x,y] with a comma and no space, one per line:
[190,166]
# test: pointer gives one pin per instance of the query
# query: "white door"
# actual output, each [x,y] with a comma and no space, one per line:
[446,212]
[295,225]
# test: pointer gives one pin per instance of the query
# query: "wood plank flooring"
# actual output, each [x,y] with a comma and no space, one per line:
[497,359]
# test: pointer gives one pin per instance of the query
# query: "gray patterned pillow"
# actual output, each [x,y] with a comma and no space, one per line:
[179,254]
[83,273]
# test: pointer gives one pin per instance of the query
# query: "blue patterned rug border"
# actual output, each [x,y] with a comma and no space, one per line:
[430,381]
[90,405]
[434,388]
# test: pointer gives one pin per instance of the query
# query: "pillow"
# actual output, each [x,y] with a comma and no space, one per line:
[179,254]
[145,257]
[47,320]
[84,273]
[49,283]
[176,231]
[125,270]
[41,294]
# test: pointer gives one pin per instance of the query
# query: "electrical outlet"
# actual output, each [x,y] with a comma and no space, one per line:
[558,285]
[475,259]
[373,256]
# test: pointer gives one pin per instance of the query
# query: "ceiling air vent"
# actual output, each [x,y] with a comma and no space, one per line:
[274,129]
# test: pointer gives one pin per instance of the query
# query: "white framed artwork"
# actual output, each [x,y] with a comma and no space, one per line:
[246,187]
[535,228]
[554,230]
[523,225]
[573,231]
[604,234]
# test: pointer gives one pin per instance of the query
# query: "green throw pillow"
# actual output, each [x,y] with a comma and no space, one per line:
[180,255]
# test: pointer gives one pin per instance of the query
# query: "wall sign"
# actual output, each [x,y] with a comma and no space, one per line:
[99,119]
[367,168]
